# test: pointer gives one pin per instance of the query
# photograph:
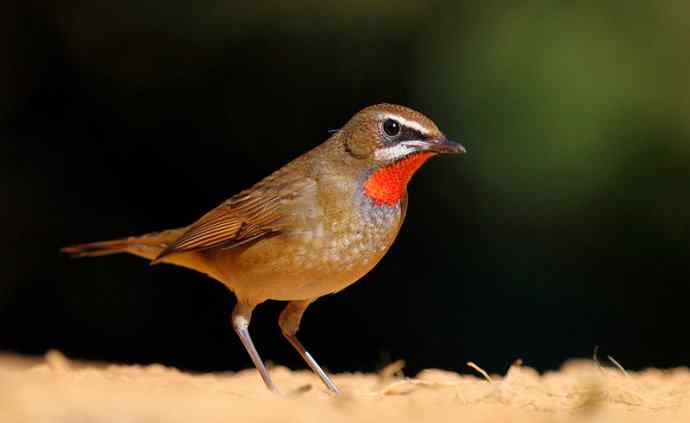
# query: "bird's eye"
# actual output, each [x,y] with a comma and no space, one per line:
[391,127]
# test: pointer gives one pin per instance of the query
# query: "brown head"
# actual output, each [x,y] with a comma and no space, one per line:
[390,143]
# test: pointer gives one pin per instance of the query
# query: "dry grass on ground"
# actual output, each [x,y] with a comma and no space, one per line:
[55,389]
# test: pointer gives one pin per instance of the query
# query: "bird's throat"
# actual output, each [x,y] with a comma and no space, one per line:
[387,185]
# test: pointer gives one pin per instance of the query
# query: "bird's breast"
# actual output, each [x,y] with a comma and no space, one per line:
[347,240]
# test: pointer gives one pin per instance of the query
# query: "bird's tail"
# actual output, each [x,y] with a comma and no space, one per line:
[148,246]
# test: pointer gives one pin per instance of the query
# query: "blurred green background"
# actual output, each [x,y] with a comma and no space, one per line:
[566,227]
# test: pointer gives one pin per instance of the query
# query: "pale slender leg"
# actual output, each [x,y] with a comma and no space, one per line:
[289,325]
[241,316]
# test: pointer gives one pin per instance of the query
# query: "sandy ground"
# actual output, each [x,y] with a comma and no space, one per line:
[55,389]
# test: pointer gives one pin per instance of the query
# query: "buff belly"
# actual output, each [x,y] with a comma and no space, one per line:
[307,264]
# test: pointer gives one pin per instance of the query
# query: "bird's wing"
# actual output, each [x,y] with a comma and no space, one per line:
[403,207]
[248,216]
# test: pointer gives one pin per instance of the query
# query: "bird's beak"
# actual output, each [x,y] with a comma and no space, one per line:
[439,146]
[446,146]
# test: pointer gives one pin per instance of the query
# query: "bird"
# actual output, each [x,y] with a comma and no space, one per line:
[311,228]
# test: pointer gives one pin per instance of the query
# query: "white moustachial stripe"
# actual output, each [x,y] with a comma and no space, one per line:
[395,152]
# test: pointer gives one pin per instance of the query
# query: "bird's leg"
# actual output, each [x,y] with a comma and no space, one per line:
[241,315]
[289,325]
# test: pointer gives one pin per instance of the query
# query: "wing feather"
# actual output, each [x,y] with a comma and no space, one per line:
[248,216]
[403,208]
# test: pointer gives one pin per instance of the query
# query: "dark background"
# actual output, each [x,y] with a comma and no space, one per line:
[565,227]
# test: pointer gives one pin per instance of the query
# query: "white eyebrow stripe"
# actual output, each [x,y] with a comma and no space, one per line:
[395,152]
[405,122]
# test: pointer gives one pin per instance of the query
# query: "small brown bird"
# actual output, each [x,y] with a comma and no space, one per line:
[313,227]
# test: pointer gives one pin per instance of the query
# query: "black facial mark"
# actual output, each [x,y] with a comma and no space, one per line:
[409,134]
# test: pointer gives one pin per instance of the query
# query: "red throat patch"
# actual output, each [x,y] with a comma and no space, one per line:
[387,185]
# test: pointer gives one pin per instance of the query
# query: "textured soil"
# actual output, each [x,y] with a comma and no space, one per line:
[55,389]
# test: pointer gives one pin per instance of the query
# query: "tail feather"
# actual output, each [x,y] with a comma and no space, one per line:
[148,246]
[95,249]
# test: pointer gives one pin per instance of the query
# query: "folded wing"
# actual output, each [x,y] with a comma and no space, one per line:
[248,216]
